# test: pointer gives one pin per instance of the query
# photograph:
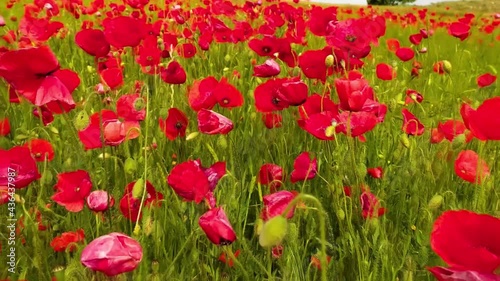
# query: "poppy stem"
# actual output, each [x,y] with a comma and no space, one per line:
[235,260]
[322,227]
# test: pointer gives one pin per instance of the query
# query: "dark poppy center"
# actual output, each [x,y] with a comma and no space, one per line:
[38,155]
[77,189]
[178,125]
[225,101]
[350,38]
[266,49]
[276,101]
[224,242]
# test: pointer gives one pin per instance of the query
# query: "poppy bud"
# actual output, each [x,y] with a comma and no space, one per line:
[227,58]
[217,227]
[130,166]
[258,226]
[329,60]
[447,66]
[139,104]
[58,272]
[435,202]
[137,230]
[458,141]
[405,141]
[330,131]
[82,120]
[192,136]
[90,69]
[340,214]
[138,189]
[222,142]
[273,232]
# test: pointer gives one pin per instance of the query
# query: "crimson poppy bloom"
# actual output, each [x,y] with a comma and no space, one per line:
[413,96]
[416,39]
[112,254]
[276,203]
[93,42]
[130,202]
[217,227]
[271,174]
[72,188]
[370,205]
[467,240]
[279,93]
[41,150]
[485,120]
[174,73]
[186,50]
[405,54]
[123,31]
[314,65]
[321,18]
[351,37]
[201,94]
[99,201]
[272,120]
[67,240]
[315,261]
[4,127]
[227,95]
[385,72]
[436,136]
[450,274]
[318,124]
[452,128]
[485,80]
[354,124]
[189,181]
[392,44]
[353,93]
[411,125]
[470,167]
[17,161]
[175,124]
[375,173]
[112,77]
[211,123]
[459,30]
[304,168]
[269,68]
[131,107]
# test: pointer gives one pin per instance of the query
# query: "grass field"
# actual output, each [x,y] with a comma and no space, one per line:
[356,143]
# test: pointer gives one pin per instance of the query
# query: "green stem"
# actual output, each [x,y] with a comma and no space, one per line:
[231,255]
[322,227]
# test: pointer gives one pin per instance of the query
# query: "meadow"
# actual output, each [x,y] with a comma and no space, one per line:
[219,140]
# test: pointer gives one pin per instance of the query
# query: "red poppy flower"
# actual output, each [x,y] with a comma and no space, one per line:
[227,260]
[4,127]
[272,175]
[452,128]
[4,195]
[175,124]
[411,125]
[201,94]
[189,181]
[93,42]
[112,77]
[459,30]
[485,80]
[17,161]
[355,124]
[217,227]
[269,68]
[277,251]
[272,120]
[467,240]
[416,39]
[40,149]
[436,136]
[227,95]
[485,120]
[450,274]
[123,31]
[317,124]
[393,44]
[413,96]
[375,173]
[130,203]
[211,123]
[321,18]
[313,63]
[72,188]
[351,37]
[353,93]
[173,73]
[315,104]
[280,93]
[304,168]
[67,240]
[470,167]
[131,107]
[405,54]
[99,201]
[276,203]
[315,261]
[370,205]
[186,50]
[385,72]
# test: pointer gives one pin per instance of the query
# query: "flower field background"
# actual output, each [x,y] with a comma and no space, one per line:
[219,140]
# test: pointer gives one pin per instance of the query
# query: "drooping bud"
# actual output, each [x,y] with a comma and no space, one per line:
[273,232]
